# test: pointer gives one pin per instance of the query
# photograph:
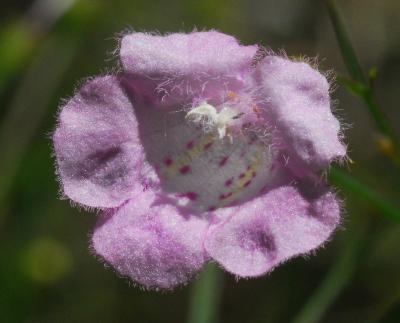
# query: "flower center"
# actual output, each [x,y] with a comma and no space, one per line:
[201,163]
[208,116]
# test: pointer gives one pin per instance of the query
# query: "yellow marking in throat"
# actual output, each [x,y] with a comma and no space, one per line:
[248,176]
[232,96]
[186,158]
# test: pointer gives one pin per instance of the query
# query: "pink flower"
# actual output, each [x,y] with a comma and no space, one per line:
[200,150]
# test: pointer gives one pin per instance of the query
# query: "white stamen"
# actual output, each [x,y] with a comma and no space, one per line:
[212,118]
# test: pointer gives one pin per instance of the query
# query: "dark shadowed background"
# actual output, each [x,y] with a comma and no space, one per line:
[47,273]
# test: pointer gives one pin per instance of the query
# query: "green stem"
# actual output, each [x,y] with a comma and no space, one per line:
[355,71]
[351,185]
[206,296]
[348,53]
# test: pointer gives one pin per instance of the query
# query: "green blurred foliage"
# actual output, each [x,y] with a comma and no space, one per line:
[47,273]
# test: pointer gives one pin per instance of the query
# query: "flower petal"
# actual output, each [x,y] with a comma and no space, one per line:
[182,54]
[298,104]
[151,242]
[265,232]
[96,145]
[172,68]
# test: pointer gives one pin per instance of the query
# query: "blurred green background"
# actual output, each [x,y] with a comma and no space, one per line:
[47,273]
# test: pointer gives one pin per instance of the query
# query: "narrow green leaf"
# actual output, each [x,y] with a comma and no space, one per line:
[351,185]
[354,87]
